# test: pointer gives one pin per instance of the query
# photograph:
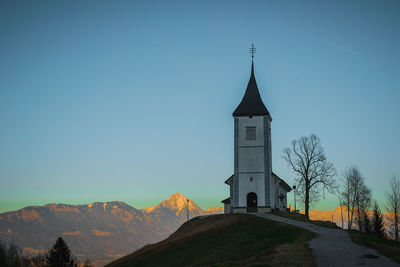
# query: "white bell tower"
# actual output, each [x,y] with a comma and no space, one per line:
[252,179]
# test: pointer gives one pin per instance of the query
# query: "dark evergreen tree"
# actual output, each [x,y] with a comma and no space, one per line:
[3,258]
[60,255]
[11,255]
[377,221]
[366,222]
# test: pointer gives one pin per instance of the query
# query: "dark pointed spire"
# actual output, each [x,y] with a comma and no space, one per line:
[251,104]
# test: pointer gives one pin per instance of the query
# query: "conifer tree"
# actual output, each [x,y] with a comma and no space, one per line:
[377,221]
[3,259]
[366,222]
[60,255]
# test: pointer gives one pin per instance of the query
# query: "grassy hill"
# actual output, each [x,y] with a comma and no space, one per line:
[234,240]
[389,248]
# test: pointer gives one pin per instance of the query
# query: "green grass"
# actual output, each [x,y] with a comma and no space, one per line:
[303,218]
[227,240]
[389,248]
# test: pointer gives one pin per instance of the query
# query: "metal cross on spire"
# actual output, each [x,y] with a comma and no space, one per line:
[252,51]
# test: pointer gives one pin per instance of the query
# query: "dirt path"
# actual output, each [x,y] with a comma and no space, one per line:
[333,247]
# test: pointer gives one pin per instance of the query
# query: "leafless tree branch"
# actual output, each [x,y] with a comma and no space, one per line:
[307,160]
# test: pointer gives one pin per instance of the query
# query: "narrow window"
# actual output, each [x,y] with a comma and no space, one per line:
[251,133]
[251,179]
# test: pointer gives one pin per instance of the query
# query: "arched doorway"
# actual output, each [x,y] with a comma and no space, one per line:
[251,202]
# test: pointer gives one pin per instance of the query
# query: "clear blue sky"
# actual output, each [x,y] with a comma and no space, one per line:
[132,101]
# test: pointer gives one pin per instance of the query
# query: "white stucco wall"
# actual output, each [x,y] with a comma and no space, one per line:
[248,122]
[269,167]
[274,193]
[283,204]
[227,208]
[256,186]
[278,189]
[251,161]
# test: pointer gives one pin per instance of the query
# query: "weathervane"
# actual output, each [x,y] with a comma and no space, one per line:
[252,51]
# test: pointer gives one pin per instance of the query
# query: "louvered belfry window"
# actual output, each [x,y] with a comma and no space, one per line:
[251,133]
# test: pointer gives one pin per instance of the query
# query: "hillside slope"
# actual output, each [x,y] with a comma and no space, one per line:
[226,240]
[99,231]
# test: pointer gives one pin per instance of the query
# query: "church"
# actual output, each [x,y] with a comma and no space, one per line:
[253,186]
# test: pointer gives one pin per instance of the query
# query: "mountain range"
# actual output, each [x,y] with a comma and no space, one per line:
[105,231]
[98,231]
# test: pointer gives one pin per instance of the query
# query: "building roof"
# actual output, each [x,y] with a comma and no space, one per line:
[282,182]
[226,200]
[251,104]
[229,180]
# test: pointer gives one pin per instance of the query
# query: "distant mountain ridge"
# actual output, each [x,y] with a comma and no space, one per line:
[104,231]
[98,231]
[339,217]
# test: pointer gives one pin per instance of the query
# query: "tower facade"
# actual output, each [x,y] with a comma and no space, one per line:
[251,183]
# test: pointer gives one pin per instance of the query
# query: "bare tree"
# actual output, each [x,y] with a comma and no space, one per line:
[363,203]
[393,206]
[352,187]
[307,159]
[341,209]
[338,193]
[347,195]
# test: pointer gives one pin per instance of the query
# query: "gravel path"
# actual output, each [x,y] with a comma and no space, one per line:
[333,247]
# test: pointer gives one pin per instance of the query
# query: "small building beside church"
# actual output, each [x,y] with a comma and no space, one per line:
[253,186]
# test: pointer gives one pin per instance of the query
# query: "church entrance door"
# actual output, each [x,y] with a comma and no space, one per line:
[251,202]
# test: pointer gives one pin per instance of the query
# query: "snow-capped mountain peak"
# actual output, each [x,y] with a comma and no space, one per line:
[178,204]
